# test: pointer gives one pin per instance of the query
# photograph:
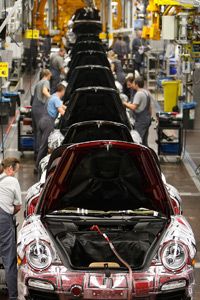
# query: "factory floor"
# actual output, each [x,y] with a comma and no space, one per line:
[180,174]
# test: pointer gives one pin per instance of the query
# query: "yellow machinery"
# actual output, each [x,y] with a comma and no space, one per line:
[169,7]
[62,12]
[117,14]
[38,16]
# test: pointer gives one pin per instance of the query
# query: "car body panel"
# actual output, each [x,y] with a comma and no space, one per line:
[97,130]
[146,282]
[90,75]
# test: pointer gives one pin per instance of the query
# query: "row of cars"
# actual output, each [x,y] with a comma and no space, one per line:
[105,224]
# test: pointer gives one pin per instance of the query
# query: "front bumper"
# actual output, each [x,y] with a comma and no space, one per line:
[56,284]
[175,295]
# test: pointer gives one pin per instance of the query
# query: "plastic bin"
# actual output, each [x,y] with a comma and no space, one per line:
[189,114]
[172,67]
[171,149]
[171,93]
[27,142]
[14,100]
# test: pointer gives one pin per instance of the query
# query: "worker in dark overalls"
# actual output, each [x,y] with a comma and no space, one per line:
[139,47]
[46,125]
[40,98]
[57,68]
[10,204]
[141,109]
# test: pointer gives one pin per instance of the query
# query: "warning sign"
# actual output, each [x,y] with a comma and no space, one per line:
[3,69]
[32,34]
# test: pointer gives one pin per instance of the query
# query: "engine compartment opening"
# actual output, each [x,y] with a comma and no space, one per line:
[83,247]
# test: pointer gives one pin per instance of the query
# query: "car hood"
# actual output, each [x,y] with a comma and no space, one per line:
[105,176]
[94,103]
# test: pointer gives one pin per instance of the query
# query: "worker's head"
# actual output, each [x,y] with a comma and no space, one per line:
[139,33]
[111,54]
[60,90]
[139,83]
[45,73]
[62,52]
[10,166]
[119,37]
[130,81]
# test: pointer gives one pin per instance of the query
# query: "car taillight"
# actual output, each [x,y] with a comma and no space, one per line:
[31,206]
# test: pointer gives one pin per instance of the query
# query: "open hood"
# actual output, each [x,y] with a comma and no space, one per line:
[95,131]
[94,103]
[105,176]
[85,76]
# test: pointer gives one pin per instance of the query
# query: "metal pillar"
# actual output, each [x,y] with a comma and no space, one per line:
[109,10]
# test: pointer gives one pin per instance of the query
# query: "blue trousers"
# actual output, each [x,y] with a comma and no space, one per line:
[8,252]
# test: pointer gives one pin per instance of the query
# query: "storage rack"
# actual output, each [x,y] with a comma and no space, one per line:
[168,146]
[24,131]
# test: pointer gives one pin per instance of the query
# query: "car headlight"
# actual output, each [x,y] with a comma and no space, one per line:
[39,255]
[174,255]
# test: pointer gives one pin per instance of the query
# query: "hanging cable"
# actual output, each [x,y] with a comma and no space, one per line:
[130,281]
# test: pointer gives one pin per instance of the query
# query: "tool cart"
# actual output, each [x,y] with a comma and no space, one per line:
[170,135]
[25,133]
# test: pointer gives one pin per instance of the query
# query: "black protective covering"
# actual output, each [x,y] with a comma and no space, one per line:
[84,58]
[82,246]
[88,37]
[107,180]
[87,46]
[87,26]
[85,248]
[97,130]
[94,103]
[106,176]
[86,76]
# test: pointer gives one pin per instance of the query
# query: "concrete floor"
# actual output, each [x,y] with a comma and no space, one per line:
[181,175]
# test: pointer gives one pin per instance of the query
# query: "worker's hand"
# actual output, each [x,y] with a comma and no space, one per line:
[16,209]
[124,103]
[141,50]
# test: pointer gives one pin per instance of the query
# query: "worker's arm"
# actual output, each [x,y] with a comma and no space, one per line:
[62,109]
[131,106]
[112,67]
[136,45]
[62,70]
[45,92]
[16,209]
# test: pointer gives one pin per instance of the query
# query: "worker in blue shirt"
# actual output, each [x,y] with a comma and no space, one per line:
[46,125]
